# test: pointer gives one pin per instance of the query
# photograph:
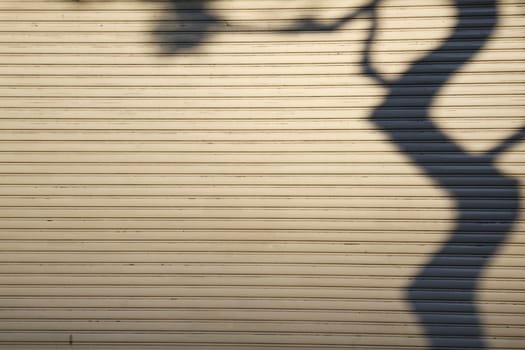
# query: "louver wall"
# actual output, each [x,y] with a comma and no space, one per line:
[228,175]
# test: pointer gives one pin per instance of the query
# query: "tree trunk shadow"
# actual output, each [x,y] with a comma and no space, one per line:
[477,234]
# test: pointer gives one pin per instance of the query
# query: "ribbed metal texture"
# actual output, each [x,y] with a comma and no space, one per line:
[211,175]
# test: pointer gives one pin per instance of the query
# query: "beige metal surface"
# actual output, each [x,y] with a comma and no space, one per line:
[237,196]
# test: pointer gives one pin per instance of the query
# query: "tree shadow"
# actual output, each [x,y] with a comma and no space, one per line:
[473,182]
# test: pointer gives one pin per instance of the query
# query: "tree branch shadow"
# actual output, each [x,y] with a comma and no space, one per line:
[473,182]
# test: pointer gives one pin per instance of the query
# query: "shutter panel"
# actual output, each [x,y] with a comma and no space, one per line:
[168,188]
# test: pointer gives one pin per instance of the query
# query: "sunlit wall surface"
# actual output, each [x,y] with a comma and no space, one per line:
[262,174]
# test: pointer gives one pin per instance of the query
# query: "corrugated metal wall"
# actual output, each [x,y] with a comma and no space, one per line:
[166,188]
